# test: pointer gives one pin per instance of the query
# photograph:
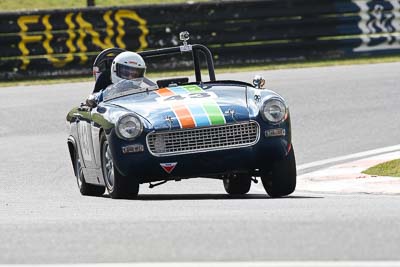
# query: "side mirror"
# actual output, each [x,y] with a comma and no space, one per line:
[91,101]
[258,81]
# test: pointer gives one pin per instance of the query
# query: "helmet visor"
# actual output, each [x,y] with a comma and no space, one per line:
[129,72]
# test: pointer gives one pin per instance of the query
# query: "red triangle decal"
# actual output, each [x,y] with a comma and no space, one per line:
[168,167]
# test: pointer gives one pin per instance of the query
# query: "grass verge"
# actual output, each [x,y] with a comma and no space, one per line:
[17,5]
[390,168]
[219,70]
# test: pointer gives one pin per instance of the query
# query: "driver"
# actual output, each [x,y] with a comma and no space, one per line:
[128,66]
[127,73]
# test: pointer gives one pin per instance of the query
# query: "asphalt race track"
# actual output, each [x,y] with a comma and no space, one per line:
[335,111]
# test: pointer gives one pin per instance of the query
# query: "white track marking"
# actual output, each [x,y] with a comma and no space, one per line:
[349,157]
[385,150]
[232,264]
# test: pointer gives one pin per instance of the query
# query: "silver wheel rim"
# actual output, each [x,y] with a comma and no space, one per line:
[79,177]
[108,167]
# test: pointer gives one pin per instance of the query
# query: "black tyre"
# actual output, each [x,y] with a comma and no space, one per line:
[85,188]
[118,186]
[281,179]
[237,185]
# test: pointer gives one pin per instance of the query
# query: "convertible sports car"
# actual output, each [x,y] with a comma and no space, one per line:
[176,129]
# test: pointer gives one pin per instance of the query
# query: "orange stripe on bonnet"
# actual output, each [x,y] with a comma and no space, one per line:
[165,92]
[183,115]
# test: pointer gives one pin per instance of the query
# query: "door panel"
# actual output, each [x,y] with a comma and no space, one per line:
[85,139]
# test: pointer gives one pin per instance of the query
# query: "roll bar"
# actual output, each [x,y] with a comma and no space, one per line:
[195,49]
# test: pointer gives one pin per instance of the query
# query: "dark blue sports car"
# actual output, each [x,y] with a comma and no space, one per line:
[175,129]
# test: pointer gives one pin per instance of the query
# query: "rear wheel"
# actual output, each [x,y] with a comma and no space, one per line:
[238,184]
[118,185]
[281,179]
[85,188]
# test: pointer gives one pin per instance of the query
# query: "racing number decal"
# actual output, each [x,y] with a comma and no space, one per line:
[188,96]
[199,95]
[84,132]
[174,97]
[192,106]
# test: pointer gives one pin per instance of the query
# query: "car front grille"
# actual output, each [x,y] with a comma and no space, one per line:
[186,141]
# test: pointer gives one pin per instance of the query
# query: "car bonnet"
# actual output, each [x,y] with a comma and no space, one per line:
[189,106]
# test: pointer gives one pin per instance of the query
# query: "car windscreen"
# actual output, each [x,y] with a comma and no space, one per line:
[127,87]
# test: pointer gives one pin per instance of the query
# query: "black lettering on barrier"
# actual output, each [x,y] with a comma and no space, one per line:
[379,25]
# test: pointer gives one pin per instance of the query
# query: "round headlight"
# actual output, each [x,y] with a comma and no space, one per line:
[129,127]
[274,110]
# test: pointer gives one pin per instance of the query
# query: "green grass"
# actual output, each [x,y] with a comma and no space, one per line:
[14,5]
[390,168]
[219,70]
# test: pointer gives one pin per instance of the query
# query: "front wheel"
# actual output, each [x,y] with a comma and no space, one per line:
[118,185]
[281,179]
[84,188]
[237,185]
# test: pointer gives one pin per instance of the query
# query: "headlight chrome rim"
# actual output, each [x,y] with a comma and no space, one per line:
[120,123]
[274,102]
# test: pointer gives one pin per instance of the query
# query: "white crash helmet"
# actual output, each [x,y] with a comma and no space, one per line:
[128,66]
